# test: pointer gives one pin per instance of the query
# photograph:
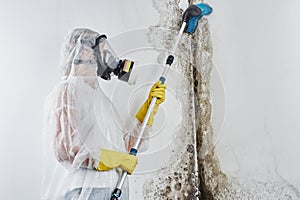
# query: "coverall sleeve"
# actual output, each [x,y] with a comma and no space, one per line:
[130,138]
[67,145]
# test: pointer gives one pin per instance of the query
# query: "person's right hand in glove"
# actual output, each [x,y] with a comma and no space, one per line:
[158,90]
[111,159]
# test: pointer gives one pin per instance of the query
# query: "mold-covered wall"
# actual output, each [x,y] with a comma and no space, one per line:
[213,181]
[255,157]
[180,179]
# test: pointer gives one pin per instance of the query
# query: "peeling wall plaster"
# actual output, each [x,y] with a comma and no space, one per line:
[179,180]
[204,178]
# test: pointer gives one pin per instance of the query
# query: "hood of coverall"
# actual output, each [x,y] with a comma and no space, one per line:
[77,55]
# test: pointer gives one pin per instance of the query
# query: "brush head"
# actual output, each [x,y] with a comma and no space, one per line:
[192,15]
[205,8]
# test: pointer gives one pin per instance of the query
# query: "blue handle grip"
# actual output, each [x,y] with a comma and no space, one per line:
[133,151]
[162,79]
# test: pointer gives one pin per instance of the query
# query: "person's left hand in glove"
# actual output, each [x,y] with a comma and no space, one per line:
[111,159]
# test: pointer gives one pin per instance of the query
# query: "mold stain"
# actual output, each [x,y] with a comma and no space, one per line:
[196,173]
[179,180]
[213,183]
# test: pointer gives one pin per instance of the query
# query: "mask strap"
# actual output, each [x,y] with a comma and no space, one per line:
[96,49]
[98,39]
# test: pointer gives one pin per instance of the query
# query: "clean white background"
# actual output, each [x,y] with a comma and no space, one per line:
[256,47]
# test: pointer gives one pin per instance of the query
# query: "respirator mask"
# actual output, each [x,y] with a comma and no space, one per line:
[108,63]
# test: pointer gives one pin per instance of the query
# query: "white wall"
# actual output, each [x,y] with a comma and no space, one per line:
[255,49]
[29,55]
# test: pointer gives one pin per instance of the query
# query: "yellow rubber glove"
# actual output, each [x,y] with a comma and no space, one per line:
[111,159]
[158,90]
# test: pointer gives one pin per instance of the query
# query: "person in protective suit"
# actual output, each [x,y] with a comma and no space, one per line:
[84,149]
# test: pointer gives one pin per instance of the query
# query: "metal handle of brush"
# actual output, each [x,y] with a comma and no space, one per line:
[133,151]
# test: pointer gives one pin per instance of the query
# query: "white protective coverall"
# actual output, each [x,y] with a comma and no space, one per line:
[79,121]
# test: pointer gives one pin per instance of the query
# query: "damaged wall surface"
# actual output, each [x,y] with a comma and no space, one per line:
[233,91]
[251,171]
[257,58]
